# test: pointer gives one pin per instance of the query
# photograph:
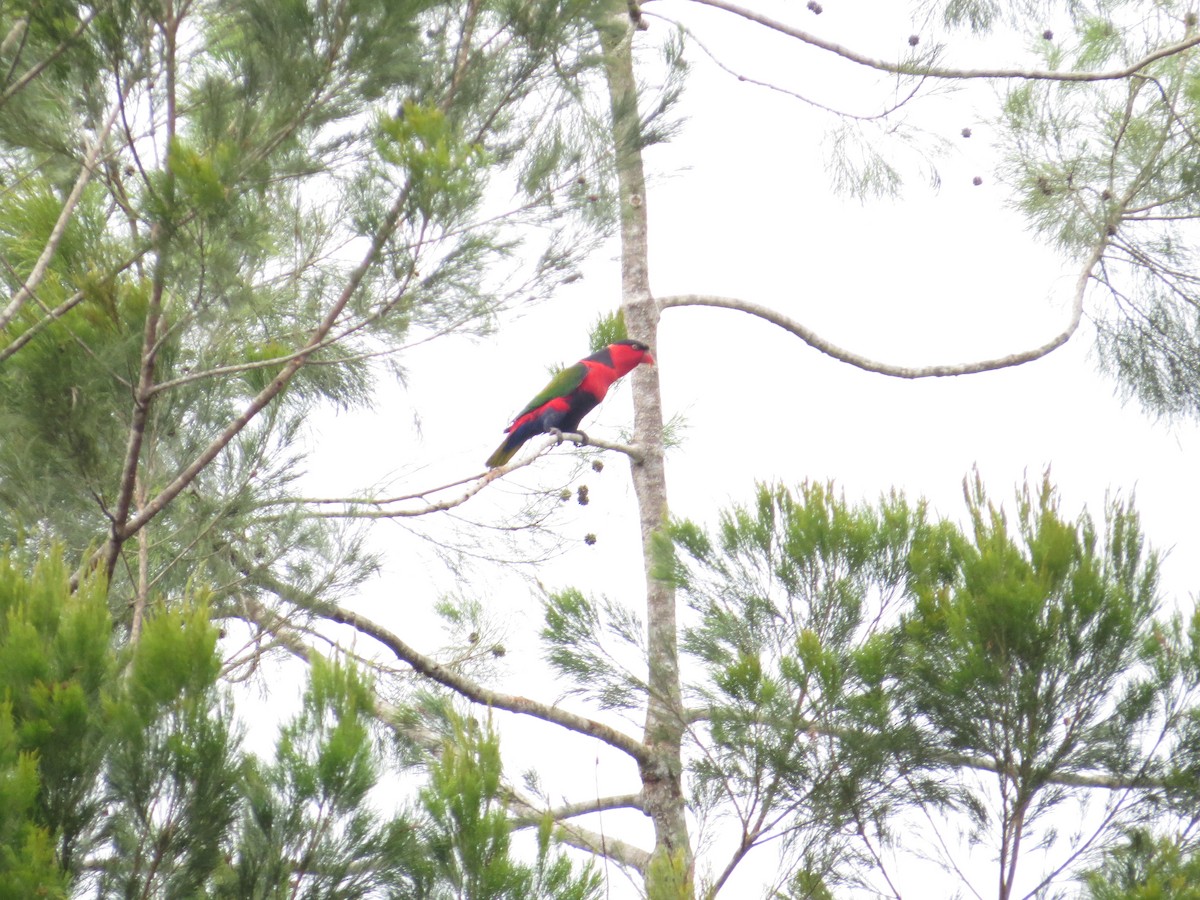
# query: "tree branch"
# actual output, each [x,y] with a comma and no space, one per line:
[771,86]
[352,507]
[468,688]
[60,226]
[817,342]
[965,761]
[533,815]
[33,330]
[949,73]
[37,68]
[619,851]
[277,384]
[291,637]
[583,838]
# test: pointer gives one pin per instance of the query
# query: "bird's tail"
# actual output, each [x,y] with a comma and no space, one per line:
[504,453]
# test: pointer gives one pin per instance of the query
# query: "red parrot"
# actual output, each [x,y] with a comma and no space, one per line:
[571,395]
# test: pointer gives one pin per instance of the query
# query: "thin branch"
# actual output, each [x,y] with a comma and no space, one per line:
[477,693]
[33,330]
[137,426]
[817,342]
[352,506]
[35,70]
[795,95]
[160,238]
[277,384]
[142,583]
[1069,779]
[329,341]
[916,69]
[745,845]
[60,226]
[879,863]
[464,47]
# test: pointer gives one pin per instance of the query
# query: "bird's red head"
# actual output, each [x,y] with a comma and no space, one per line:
[628,355]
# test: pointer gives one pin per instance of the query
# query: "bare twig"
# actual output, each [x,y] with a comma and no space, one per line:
[352,507]
[33,330]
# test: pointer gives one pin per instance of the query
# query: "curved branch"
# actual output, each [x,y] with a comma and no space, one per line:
[948,73]
[477,693]
[817,342]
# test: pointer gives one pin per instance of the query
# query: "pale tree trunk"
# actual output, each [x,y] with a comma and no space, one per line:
[670,873]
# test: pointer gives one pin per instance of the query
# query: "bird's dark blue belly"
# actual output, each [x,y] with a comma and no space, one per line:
[569,418]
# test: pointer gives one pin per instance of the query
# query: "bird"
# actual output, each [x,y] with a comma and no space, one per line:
[571,395]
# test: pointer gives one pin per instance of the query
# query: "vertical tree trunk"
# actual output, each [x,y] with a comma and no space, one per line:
[671,869]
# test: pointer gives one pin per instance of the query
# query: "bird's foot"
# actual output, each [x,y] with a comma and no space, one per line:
[560,436]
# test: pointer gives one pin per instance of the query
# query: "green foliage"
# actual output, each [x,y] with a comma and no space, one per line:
[278,146]
[795,595]
[57,673]
[574,635]
[979,15]
[1146,868]
[1021,658]
[310,821]
[28,864]
[1108,167]
[440,169]
[608,329]
[469,833]
[855,657]
[123,756]
[173,769]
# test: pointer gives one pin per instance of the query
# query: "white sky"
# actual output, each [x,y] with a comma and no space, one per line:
[739,205]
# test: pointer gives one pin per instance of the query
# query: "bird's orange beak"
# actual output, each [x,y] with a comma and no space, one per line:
[647,359]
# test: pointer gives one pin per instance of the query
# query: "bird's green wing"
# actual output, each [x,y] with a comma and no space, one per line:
[560,385]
